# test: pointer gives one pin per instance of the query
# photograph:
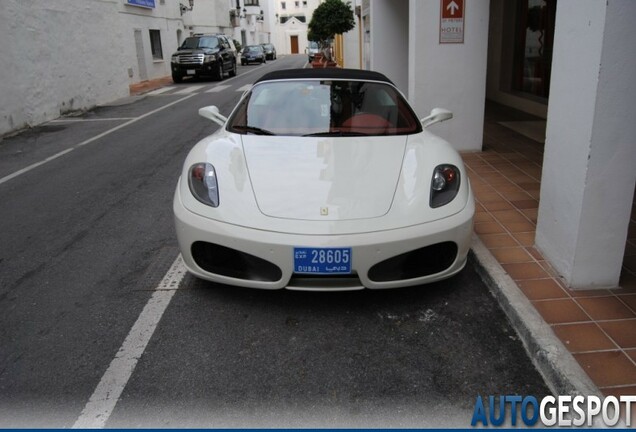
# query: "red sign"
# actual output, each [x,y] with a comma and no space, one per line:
[451,21]
[452,9]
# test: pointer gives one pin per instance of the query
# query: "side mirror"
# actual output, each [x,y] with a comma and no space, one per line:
[212,113]
[437,115]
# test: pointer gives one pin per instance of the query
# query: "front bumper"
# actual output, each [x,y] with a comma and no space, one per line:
[194,69]
[368,250]
[252,59]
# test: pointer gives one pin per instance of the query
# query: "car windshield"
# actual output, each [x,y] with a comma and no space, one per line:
[253,49]
[324,108]
[200,42]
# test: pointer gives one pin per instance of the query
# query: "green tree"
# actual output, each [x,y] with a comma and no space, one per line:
[332,17]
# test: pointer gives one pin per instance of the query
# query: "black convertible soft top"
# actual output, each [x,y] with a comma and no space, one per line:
[325,73]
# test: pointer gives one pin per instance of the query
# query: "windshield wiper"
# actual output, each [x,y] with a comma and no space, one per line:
[253,129]
[335,133]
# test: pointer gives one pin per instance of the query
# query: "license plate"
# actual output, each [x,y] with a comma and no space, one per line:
[191,72]
[322,260]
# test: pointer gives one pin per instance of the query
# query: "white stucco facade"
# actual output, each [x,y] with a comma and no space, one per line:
[450,75]
[67,55]
[401,39]
[289,28]
[589,169]
[58,57]
[251,21]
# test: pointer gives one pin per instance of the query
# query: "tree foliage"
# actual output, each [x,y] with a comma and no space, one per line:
[332,17]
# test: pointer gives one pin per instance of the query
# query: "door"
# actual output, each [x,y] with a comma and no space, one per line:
[294,44]
[226,53]
[141,57]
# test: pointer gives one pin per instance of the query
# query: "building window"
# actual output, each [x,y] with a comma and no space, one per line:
[304,3]
[297,4]
[250,3]
[155,44]
[532,62]
[283,5]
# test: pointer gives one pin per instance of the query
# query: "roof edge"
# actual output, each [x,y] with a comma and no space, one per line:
[324,73]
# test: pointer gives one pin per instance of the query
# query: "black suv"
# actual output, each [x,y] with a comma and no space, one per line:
[204,54]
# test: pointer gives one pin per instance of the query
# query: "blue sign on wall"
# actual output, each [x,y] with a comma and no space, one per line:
[142,3]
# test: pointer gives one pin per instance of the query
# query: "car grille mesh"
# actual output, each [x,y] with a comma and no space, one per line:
[190,59]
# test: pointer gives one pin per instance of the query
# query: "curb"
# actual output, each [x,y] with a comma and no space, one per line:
[561,372]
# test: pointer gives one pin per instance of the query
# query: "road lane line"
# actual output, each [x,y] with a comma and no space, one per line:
[218,88]
[79,120]
[244,88]
[88,141]
[160,90]
[188,90]
[102,403]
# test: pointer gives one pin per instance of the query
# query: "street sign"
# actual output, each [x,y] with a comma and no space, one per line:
[451,21]
[141,3]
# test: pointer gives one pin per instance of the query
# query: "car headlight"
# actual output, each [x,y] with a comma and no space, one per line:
[208,58]
[175,59]
[444,185]
[203,184]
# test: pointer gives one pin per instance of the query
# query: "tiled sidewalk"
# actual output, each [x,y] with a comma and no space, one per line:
[598,327]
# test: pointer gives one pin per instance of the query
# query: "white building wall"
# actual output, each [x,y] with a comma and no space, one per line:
[284,33]
[66,55]
[281,32]
[251,27]
[590,155]
[207,16]
[451,76]
[58,56]
[164,17]
[389,40]
[352,47]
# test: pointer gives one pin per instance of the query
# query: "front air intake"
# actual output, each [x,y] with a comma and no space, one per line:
[232,263]
[417,263]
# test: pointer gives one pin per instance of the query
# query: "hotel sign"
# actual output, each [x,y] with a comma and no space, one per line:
[141,3]
[451,25]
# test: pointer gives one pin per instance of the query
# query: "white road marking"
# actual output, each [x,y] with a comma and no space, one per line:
[78,120]
[102,403]
[218,88]
[188,90]
[244,88]
[160,90]
[88,141]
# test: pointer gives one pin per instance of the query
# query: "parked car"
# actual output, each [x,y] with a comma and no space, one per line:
[270,51]
[312,50]
[253,54]
[323,179]
[204,55]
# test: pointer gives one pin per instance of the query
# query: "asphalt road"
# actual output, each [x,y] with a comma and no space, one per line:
[86,237]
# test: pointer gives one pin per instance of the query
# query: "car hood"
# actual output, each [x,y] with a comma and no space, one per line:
[206,51]
[326,179]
